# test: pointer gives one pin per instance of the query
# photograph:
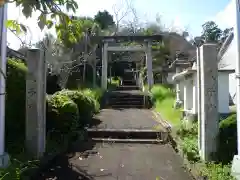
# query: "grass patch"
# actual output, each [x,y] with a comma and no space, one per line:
[164,98]
[20,163]
[187,136]
[188,144]
[168,113]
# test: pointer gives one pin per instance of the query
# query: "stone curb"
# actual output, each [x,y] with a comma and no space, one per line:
[193,169]
[175,141]
[163,122]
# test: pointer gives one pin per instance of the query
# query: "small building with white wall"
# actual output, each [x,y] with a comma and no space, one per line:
[227,60]
[188,79]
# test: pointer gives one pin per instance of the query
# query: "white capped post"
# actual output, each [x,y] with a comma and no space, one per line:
[236,159]
[4,158]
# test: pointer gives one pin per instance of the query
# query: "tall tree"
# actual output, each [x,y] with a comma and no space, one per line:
[226,33]
[211,32]
[104,19]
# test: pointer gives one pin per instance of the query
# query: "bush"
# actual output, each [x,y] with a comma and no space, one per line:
[190,149]
[160,92]
[15,99]
[96,95]
[217,172]
[227,147]
[184,130]
[87,105]
[62,114]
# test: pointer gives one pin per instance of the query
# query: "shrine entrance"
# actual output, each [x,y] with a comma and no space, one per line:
[115,44]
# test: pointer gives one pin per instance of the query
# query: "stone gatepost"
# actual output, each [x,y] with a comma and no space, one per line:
[149,64]
[199,99]
[209,100]
[104,65]
[36,102]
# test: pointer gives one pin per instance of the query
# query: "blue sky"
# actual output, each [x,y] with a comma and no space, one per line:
[190,13]
[180,14]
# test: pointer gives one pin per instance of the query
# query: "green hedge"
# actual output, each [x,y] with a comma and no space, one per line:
[66,109]
[87,104]
[227,146]
[15,99]
[62,114]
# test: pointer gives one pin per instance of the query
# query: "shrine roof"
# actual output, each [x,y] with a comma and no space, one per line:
[128,38]
[180,76]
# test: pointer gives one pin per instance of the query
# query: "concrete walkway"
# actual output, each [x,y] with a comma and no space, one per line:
[126,119]
[118,162]
[108,160]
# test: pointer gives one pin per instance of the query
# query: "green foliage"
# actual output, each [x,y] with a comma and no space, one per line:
[160,92]
[104,19]
[49,11]
[211,170]
[163,97]
[72,33]
[87,105]
[15,99]
[62,114]
[227,147]
[212,33]
[95,94]
[190,148]
[187,130]
[217,172]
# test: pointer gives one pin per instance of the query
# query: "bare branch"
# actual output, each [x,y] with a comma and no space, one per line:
[119,8]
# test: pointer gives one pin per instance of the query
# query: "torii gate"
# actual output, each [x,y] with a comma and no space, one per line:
[146,48]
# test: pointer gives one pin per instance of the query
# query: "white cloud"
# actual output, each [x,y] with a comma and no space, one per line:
[177,25]
[226,18]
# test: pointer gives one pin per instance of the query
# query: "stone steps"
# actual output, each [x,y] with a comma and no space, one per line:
[127,88]
[123,102]
[139,141]
[126,106]
[136,134]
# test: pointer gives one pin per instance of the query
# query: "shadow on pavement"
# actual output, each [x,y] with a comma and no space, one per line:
[60,167]
[94,122]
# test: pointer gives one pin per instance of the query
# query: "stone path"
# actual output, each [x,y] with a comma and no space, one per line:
[126,119]
[119,162]
[92,160]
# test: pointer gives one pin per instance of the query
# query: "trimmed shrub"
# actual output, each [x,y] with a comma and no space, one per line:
[96,95]
[227,146]
[86,104]
[15,99]
[62,114]
[160,92]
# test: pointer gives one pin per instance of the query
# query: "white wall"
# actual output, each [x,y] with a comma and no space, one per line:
[232,87]
[228,61]
[223,93]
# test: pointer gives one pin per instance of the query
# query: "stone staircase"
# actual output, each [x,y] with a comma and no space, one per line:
[143,136]
[125,99]
[127,118]
[128,95]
